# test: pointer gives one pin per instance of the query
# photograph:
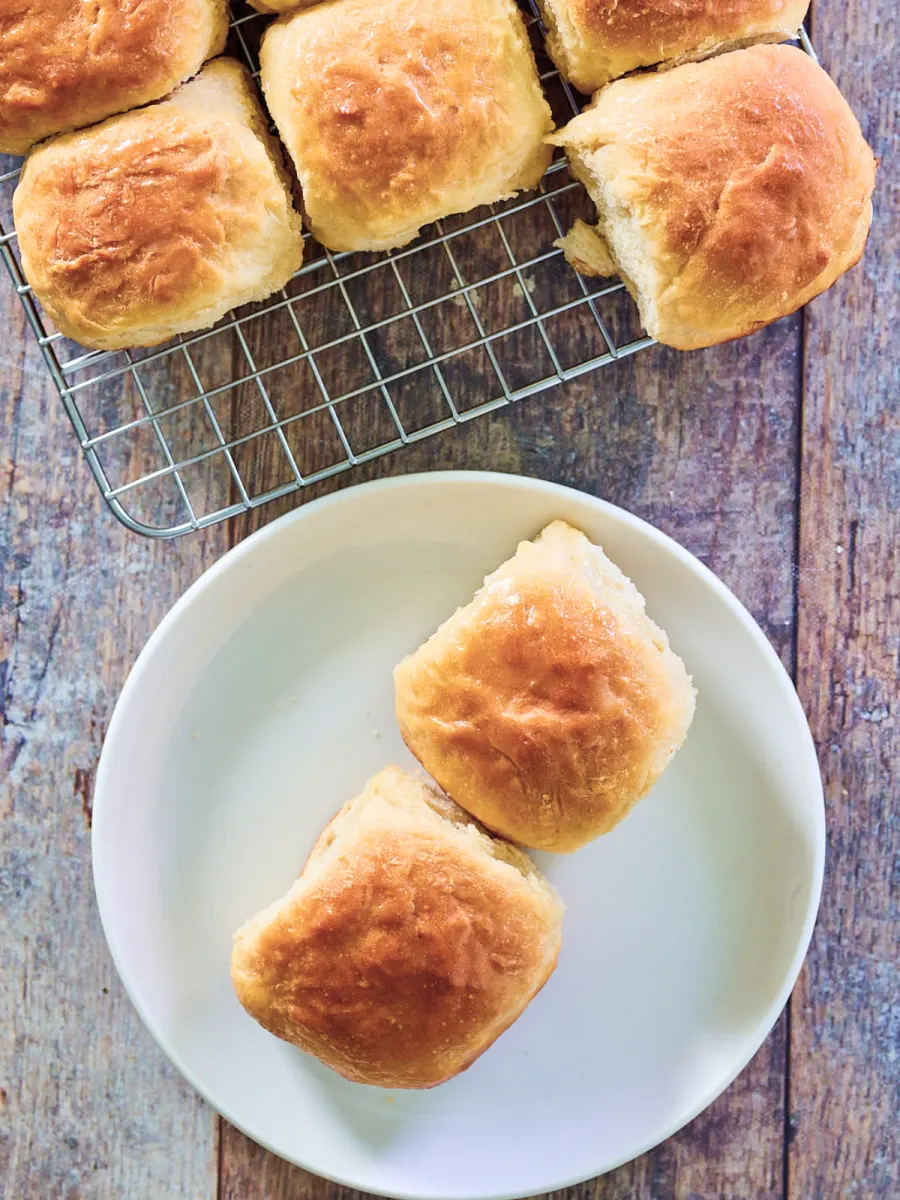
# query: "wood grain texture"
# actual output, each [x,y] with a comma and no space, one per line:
[845,1036]
[88,1107]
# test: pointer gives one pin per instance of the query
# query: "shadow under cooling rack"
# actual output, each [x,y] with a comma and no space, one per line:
[360,354]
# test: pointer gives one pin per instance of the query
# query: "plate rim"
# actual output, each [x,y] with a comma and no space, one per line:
[513,482]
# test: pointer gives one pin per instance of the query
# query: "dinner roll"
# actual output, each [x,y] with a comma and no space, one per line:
[729,192]
[410,942]
[159,221]
[64,65]
[594,41]
[280,6]
[397,113]
[552,703]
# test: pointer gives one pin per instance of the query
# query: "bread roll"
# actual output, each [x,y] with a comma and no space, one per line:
[552,703]
[397,113]
[159,221]
[64,65]
[280,6]
[729,192]
[410,942]
[594,41]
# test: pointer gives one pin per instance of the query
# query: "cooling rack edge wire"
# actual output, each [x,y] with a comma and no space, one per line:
[357,357]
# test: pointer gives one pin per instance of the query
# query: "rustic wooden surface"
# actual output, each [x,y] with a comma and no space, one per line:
[776,460]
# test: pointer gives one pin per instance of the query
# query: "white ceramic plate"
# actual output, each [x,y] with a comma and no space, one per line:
[264,701]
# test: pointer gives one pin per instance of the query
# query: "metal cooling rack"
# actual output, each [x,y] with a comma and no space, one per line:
[358,356]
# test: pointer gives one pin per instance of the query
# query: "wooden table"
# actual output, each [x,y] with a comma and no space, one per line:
[776,460]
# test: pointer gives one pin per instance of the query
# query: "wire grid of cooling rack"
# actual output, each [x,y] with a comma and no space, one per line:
[358,356]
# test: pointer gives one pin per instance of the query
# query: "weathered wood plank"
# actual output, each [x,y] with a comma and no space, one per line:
[89,1109]
[705,446]
[844,1067]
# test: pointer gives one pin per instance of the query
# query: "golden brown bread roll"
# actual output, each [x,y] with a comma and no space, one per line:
[729,192]
[159,221]
[550,704]
[410,942]
[280,6]
[594,41]
[397,113]
[66,64]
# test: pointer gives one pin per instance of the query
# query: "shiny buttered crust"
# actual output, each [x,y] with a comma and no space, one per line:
[594,41]
[729,192]
[397,113]
[65,64]
[551,704]
[160,221]
[411,940]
